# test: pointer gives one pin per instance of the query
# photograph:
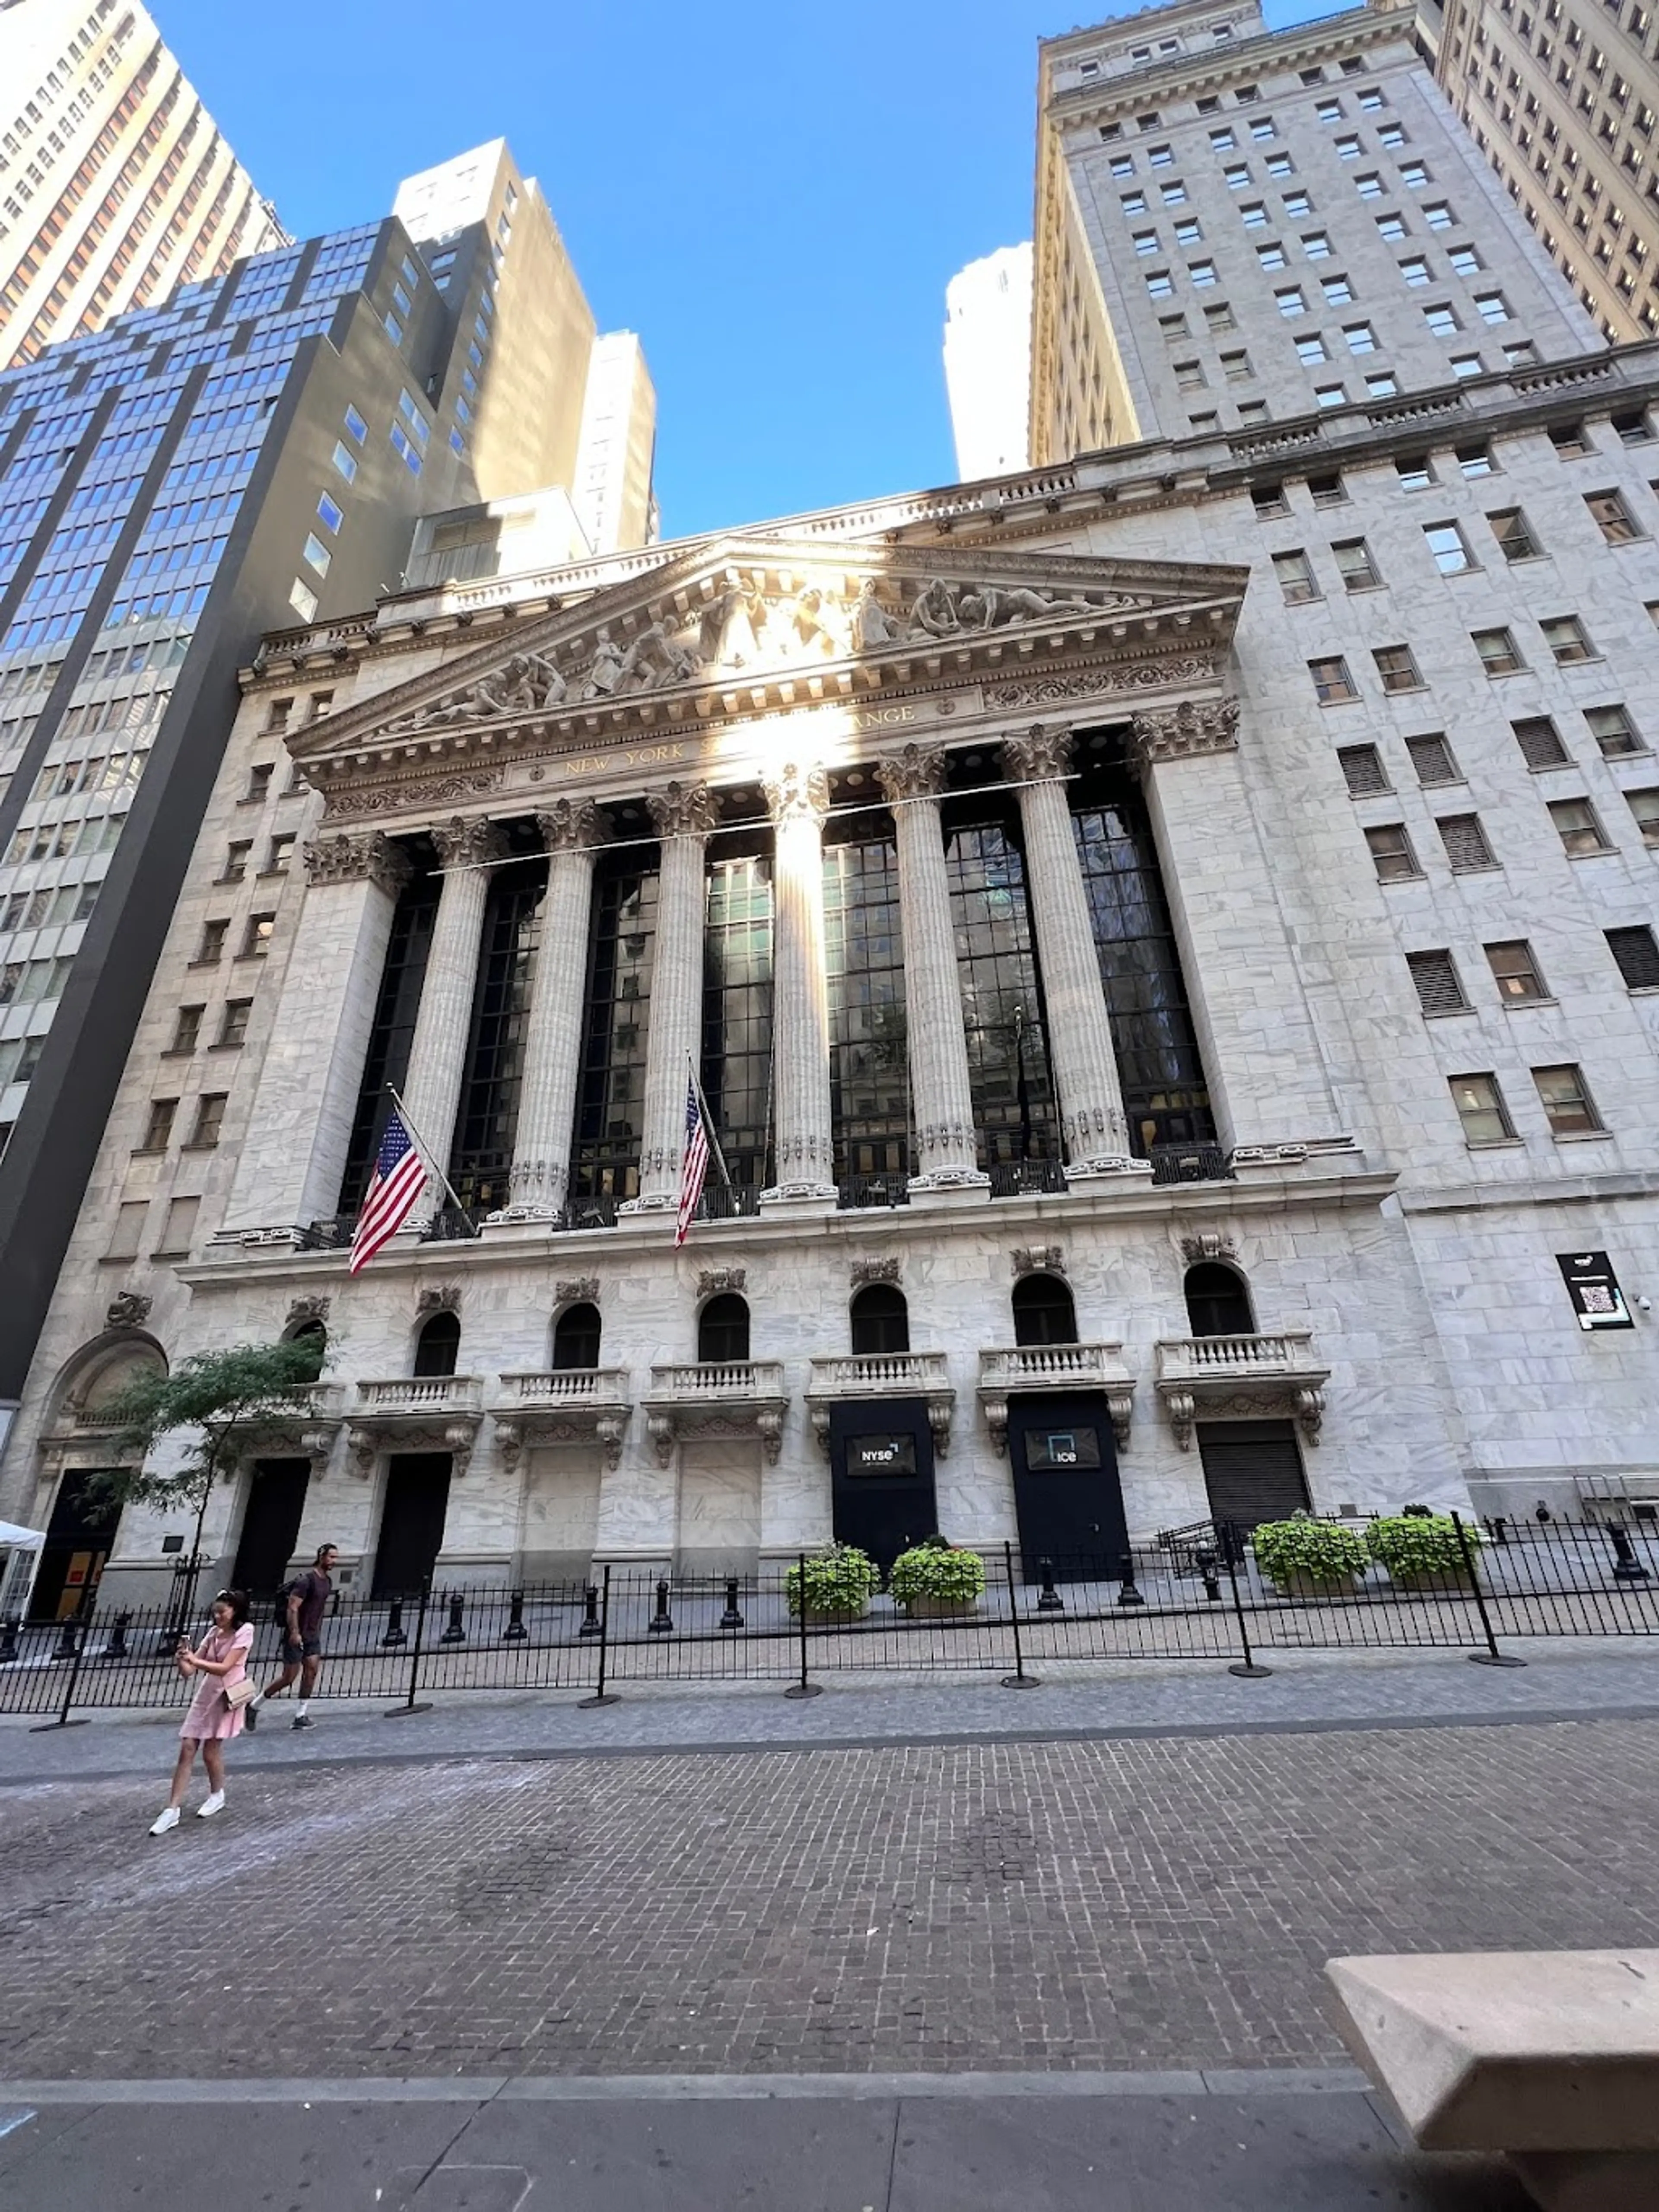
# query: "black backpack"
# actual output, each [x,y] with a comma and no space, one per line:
[279,1603]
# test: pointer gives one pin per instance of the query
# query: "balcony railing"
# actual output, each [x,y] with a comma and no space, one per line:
[555,1404]
[855,1193]
[419,1393]
[703,1381]
[1018,1178]
[1273,1373]
[1188,1164]
[1007,1370]
[569,1386]
[842,1376]
[712,1397]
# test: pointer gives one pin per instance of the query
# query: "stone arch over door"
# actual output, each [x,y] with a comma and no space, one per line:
[75,1444]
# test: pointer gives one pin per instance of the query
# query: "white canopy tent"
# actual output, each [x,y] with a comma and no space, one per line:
[21,1548]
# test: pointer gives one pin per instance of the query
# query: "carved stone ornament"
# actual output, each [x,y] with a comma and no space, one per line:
[419,791]
[1305,1405]
[570,823]
[301,1310]
[466,843]
[866,1271]
[913,772]
[683,809]
[1040,756]
[1181,732]
[577,1291]
[527,681]
[1208,1244]
[1096,683]
[368,856]
[127,1309]
[797,792]
[1038,1260]
[444,1297]
[714,1280]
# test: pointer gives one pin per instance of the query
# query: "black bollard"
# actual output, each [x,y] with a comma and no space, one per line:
[662,1622]
[1207,1565]
[1541,1514]
[515,1631]
[1128,1594]
[1630,1568]
[1500,1531]
[455,1633]
[591,1623]
[1048,1598]
[117,1646]
[395,1634]
[8,1640]
[731,1617]
[67,1646]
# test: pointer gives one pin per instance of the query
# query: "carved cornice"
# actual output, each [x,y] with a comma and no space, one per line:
[367,856]
[570,823]
[866,1271]
[467,844]
[1038,1260]
[1116,677]
[713,1281]
[442,1298]
[301,1310]
[576,1290]
[1183,731]
[1041,756]
[797,792]
[913,772]
[399,798]
[683,809]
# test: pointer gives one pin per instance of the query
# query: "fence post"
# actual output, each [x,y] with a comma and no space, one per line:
[590,1610]
[1019,1680]
[803,1688]
[1629,1568]
[515,1631]
[1491,1657]
[1246,1667]
[601,1696]
[661,1622]
[732,1618]
[395,1634]
[403,1712]
[82,1639]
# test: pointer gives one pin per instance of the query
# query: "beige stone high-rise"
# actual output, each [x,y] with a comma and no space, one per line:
[115,183]
[1562,98]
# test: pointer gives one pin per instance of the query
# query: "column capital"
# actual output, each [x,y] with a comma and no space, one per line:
[795,792]
[1039,757]
[367,855]
[682,810]
[1193,725]
[913,772]
[570,823]
[464,842]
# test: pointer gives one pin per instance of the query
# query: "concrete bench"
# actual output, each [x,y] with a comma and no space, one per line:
[1551,2058]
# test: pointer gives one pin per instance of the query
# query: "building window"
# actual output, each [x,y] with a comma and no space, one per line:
[1160,285]
[1465,841]
[1329,395]
[1391,853]
[1637,953]
[1539,742]
[1497,649]
[1361,338]
[723,1332]
[1390,227]
[1397,668]
[1567,1104]
[438,1346]
[1044,1312]
[210,1113]
[345,462]
[1644,806]
[1236,368]
[1296,577]
[1145,242]
[1202,274]
[1446,545]
[158,1128]
[330,514]
[1516,972]
[1415,270]
[1218,317]
[1317,246]
[1291,301]
[1431,757]
[1438,215]
[1465,364]
[232,1029]
[879,1321]
[1576,825]
[282,852]
[212,947]
[1570,442]
[1492,306]
[1189,375]
[1440,320]
[303,600]
[1475,461]
[1369,186]
[1354,564]
[1310,351]
[187,1027]
[236,858]
[1614,731]
[1612,517]
[1269,500]
[1515,540]
[356,425]
[1568,639]
[258,780]
[256,942]
[1362,771]
[1333,685]
[1465,261]
[1633,428]
[1327,491]
[1337,291]
[1414,472]
[1438,989]
[1481,1107]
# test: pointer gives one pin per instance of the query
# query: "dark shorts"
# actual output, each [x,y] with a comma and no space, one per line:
[306,1647]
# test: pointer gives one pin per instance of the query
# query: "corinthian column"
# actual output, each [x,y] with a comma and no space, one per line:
[684,815]
[570,830]
[941,1093]
[798,798]
[437,1058]
[1079,1027]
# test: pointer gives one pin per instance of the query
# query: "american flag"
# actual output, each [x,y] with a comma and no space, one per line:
[695,1166]
[399,1178]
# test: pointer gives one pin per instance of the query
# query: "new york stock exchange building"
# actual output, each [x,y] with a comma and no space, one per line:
[1085,1169]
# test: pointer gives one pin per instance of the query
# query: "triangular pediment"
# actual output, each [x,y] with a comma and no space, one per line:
[754,625]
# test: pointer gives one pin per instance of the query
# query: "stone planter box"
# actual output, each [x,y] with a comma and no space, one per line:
[941,1608]
[1450,1580]
[1314,1586]
[836,1616]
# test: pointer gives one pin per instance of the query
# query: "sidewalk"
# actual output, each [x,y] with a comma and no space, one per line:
[1562,1680]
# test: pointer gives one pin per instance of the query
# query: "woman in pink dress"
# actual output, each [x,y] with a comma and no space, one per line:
[219,1660]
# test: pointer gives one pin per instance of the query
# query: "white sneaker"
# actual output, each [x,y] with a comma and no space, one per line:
[160,1825]
[210,1805]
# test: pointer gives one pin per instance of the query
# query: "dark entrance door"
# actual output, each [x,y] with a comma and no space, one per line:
[881,1468]
[270,1526]
[1067,1498]
[78,1538]
[1253,1471]
[411,1521]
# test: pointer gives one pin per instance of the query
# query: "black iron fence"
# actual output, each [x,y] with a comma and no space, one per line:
[1198,1594]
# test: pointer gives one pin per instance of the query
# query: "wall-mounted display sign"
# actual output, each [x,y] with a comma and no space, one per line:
[1594,1289]
[890,1455]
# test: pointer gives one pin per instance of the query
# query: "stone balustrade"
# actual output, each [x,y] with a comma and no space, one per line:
[1275,1372]
[1008,1368]
[863,1374]
[419,1393]
[716,1398]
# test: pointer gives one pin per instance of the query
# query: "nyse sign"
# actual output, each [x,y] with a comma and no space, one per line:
[636,757]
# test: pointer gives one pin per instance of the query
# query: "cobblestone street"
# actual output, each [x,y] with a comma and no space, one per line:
[1164,1902]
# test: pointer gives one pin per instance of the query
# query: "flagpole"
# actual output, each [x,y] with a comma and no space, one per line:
[425,1152]
[707,1121]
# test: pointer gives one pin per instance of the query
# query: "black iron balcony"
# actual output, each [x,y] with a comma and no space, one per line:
[1018,1178]
[1188,1164]
[855,1193]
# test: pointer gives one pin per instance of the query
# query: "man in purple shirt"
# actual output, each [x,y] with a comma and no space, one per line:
[304,1602]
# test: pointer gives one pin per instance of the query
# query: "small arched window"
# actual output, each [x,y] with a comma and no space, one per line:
[723,1329]
[1043,1311]
[576,1337]
[880,1319]
[438,1345]
[305,1333]
[1218,1303]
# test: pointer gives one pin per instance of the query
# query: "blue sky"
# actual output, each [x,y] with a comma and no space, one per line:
[775,199]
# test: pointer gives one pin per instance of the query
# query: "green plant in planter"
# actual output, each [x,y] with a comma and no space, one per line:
[938,1572]
[1303,1554]
[840,1581]
[1422,1547]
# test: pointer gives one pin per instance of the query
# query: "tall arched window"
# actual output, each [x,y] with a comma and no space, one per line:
[576,1337]
[1218,1303]
[1043,1311]
[304,1334]
[438,1345]
[880,1319]
[723,1329]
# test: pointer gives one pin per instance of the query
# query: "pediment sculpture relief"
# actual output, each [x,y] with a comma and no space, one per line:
[741,629]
